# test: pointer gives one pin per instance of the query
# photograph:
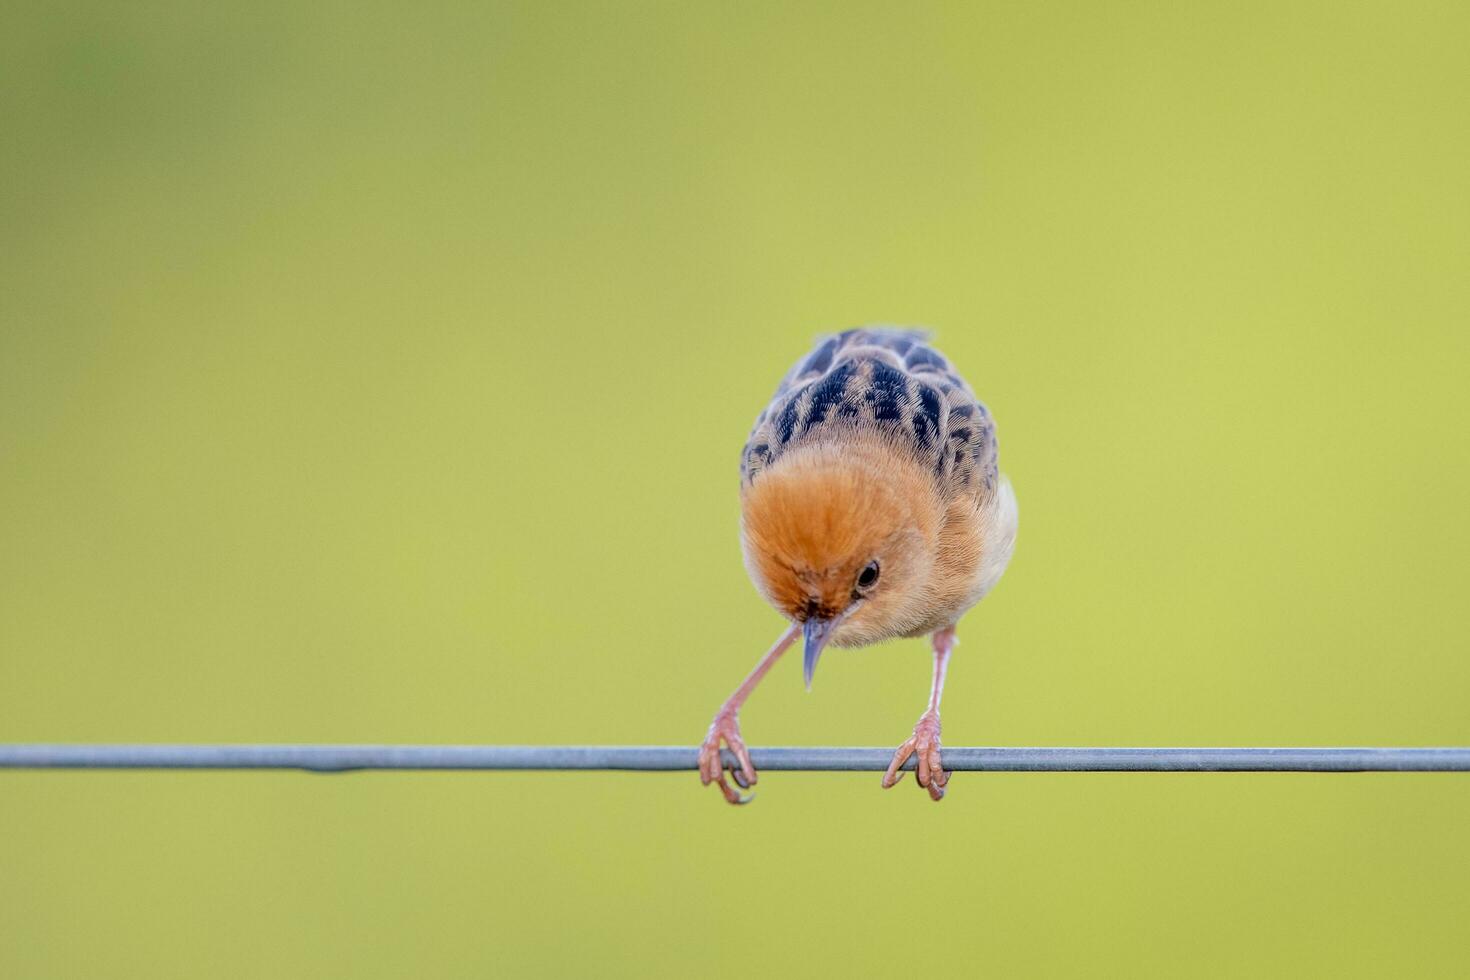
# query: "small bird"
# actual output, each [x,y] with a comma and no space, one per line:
[872,507]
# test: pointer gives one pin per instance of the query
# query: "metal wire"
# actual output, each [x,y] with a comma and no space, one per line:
[342,758]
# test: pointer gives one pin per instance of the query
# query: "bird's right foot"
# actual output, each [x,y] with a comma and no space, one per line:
[925,744]
[726,727]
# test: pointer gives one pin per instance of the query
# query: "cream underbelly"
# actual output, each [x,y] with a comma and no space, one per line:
[998,541]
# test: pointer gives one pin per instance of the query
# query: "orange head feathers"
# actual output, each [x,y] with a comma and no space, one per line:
[843,537]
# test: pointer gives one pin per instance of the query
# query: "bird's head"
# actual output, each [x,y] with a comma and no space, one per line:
[841,540]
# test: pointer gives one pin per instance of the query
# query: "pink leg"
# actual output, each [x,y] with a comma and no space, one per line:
[925,740]
[727,726]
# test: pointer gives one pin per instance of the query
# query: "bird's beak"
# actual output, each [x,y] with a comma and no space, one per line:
[817,631]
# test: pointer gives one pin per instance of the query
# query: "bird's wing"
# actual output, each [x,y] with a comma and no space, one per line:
[887,379]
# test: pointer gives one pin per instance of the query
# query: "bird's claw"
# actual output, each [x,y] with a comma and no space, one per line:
[726,727]
[925,744]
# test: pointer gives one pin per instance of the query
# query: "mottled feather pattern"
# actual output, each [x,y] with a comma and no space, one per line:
[887,379]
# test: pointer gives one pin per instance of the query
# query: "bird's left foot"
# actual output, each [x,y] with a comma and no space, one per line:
[726,727]
[925,743]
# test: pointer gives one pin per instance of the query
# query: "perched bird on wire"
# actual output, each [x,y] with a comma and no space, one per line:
[872,507]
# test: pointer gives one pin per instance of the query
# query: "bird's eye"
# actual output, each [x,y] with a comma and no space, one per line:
[868,577]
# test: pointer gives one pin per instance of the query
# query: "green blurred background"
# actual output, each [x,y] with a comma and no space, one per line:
[379,374]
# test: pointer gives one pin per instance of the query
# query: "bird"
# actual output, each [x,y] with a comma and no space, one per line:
[871,507]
